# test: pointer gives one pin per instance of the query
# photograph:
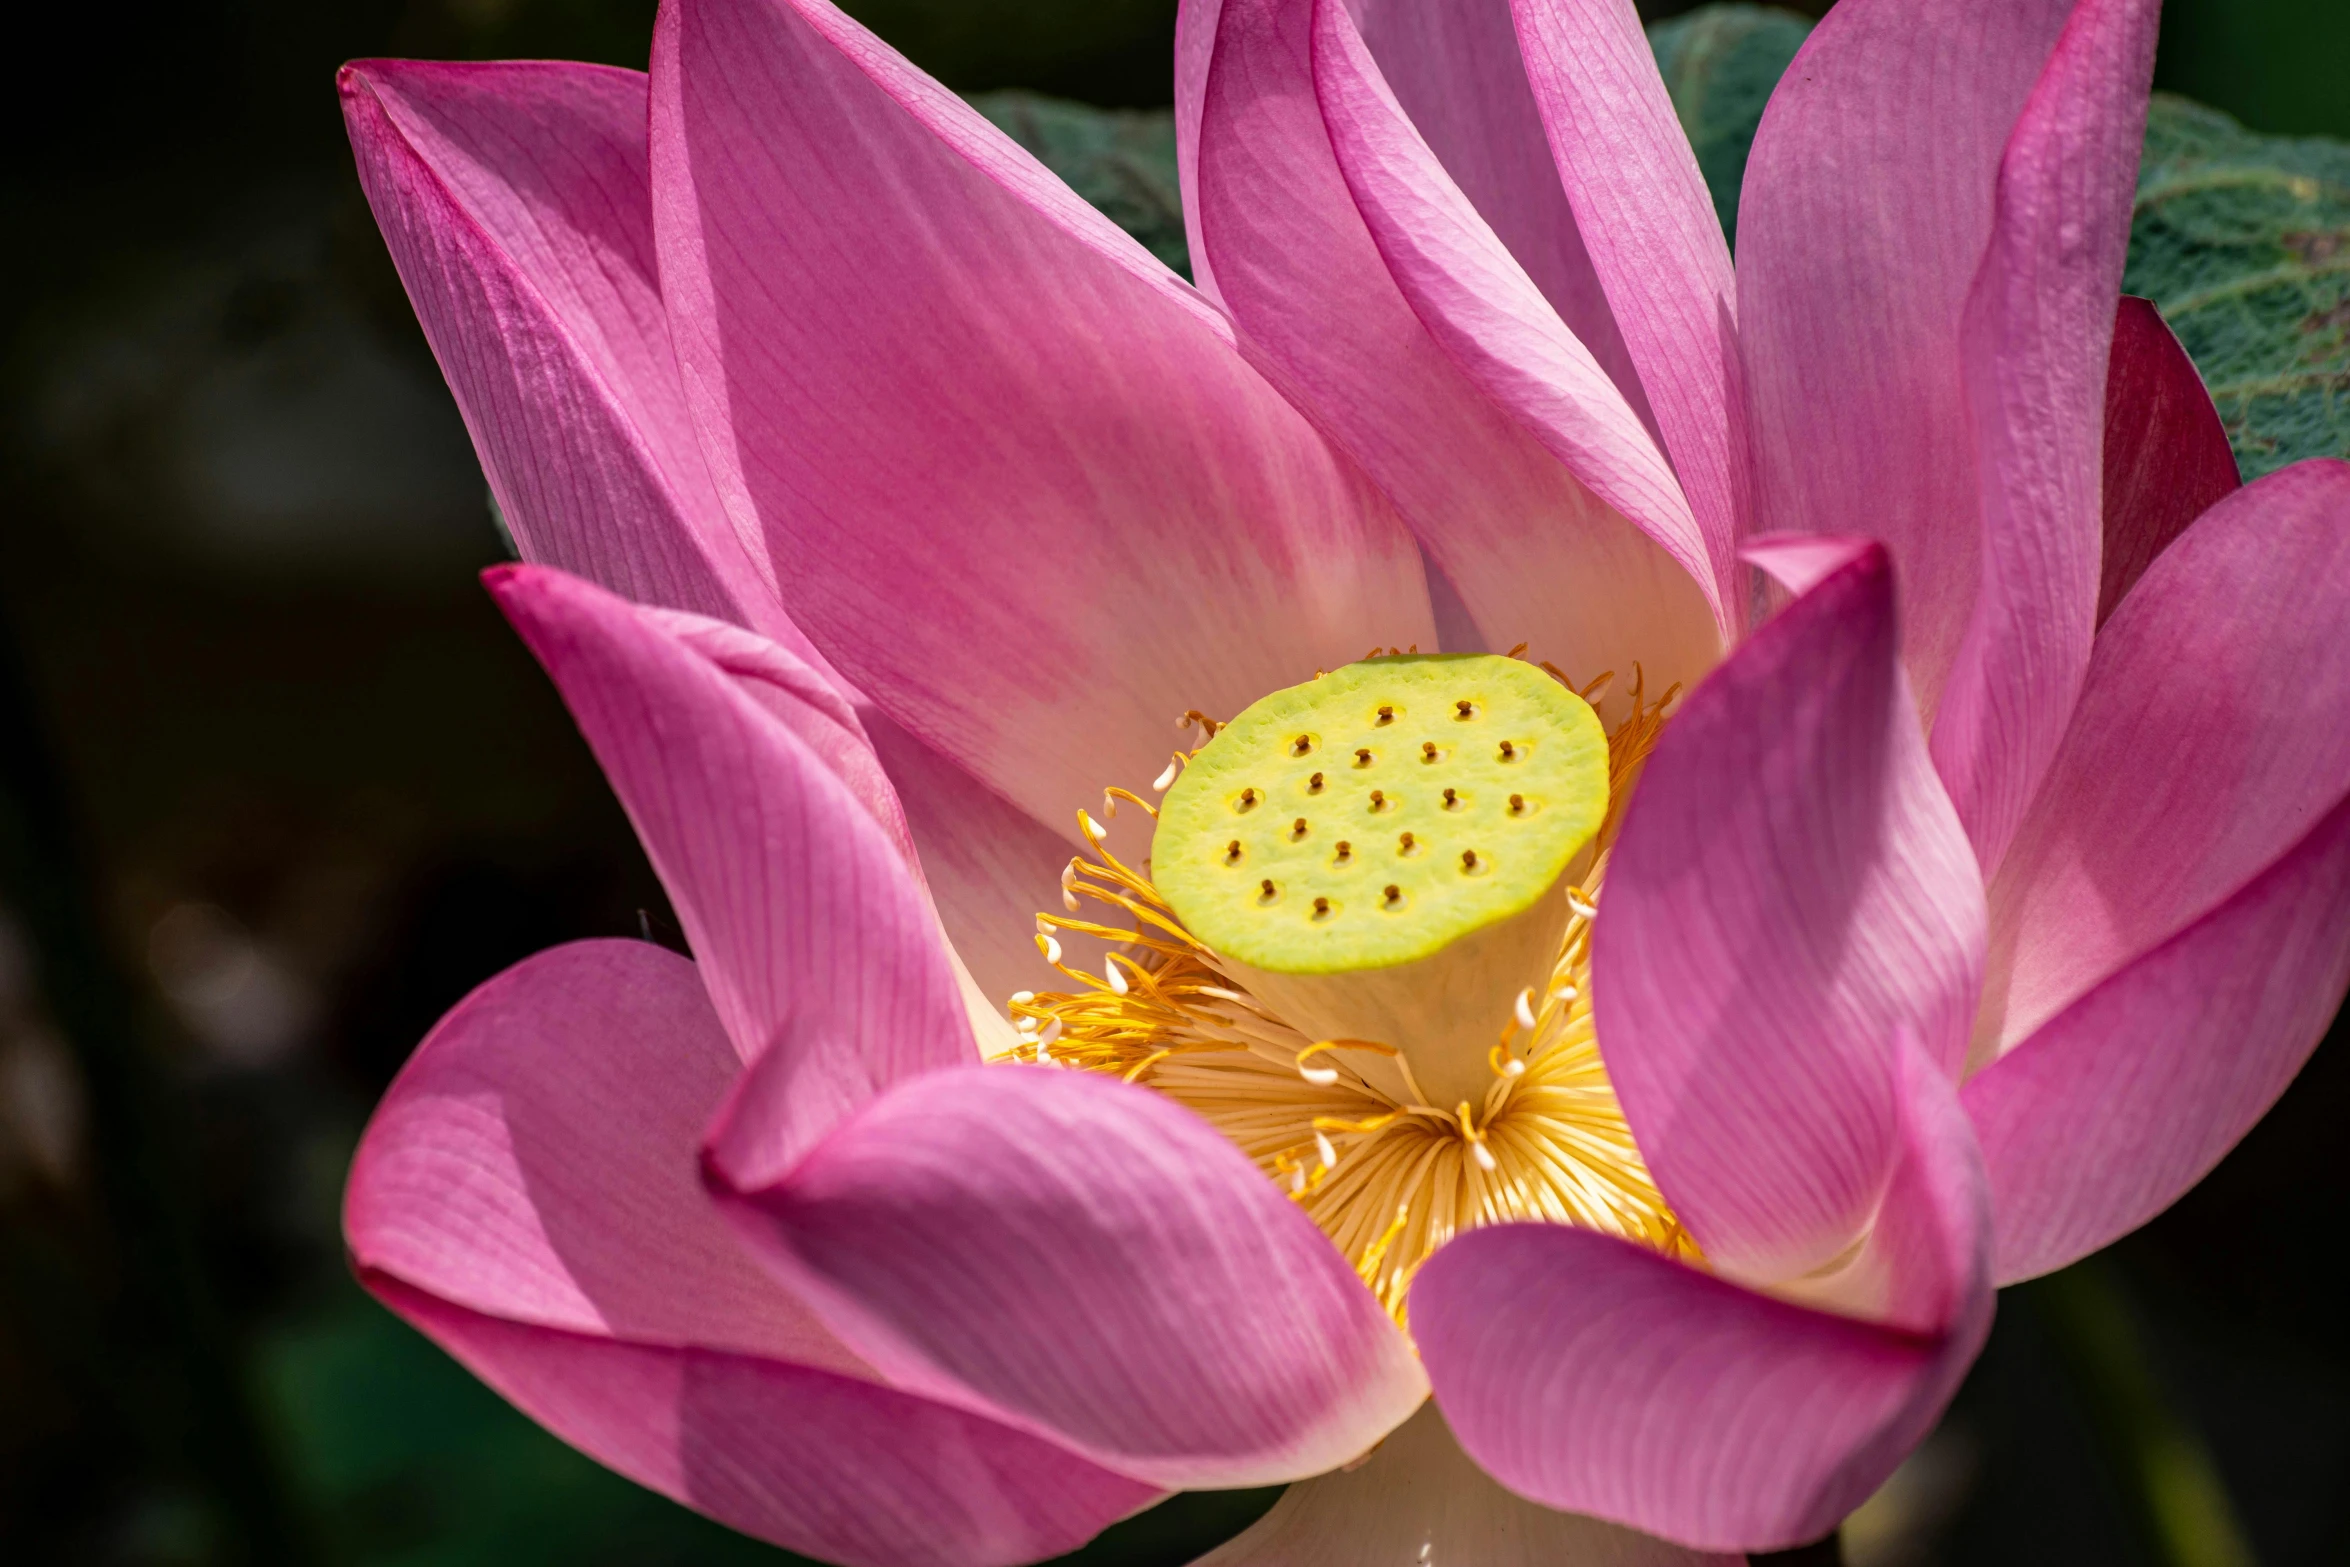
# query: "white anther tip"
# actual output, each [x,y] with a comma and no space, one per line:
[1109,806]
[1297,1181]
[1052,949]
[1319,1076]
[1091,828]
[1166,779]
[1483,1156]
[1117,979]
[1026,1025]
[1525,1008]
[1563,993]
[1023,997]
[1513,1068]
[1322,1148]
[1069,901]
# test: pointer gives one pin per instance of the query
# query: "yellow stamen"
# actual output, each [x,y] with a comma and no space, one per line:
[1389,1177]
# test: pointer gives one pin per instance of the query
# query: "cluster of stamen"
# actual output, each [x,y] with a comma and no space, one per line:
[1389,1177]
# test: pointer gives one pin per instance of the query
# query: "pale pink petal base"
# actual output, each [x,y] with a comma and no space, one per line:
[1083,1258]
[1419,1499]
[525,1195]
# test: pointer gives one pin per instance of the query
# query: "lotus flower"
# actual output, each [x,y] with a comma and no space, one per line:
[1952,870]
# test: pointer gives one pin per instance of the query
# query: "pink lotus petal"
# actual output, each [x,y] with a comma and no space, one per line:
[2167,458]
[806,701]
[1418,1486]
[1538,556]
[1457,73]
[1594,1375]
[830,1466]
[525,1195]
[1790,891]
[2036,343]
[1799,562]
[2112,1109]
[1084,1259]
[928,374]
[535,1161]
[2213,731]
[816,944]
[1867,206]
[514,199]
[1654,241]
[991,867]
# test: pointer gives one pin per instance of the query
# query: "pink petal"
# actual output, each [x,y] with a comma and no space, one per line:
[1015,478]
[2167,458]
[2036,343]
[1867,206]
[1799,562]
[525,1195]
[514,198]
[807,702]
[1653,239]
[1593,1375]
[1419,1487]
[816,944]
[1790,891]
[1084,1259]
[2102,1118]
[1457,72]
[2213,731]
[1537,555]
[991,867]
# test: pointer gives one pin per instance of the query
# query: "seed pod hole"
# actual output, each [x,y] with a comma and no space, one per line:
[1428,751]
[1407,845]
[1452,799]
[1509,752]
[1378,800]
[1266,891]
[1322,910]
[1247,801]
[1464,710]
[1345,852]
[1303,745]
[1386,716]
[1363,757]
[1232,852]
[1392,898]
[1314,784]
[1297,829]
[1517,805]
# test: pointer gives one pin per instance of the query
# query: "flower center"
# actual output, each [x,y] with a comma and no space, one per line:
[1360,948]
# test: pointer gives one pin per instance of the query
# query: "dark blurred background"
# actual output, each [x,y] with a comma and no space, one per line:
[280,787]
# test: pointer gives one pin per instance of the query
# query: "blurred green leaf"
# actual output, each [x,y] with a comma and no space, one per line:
[2244,242]
[1720,63]
[1120,160]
